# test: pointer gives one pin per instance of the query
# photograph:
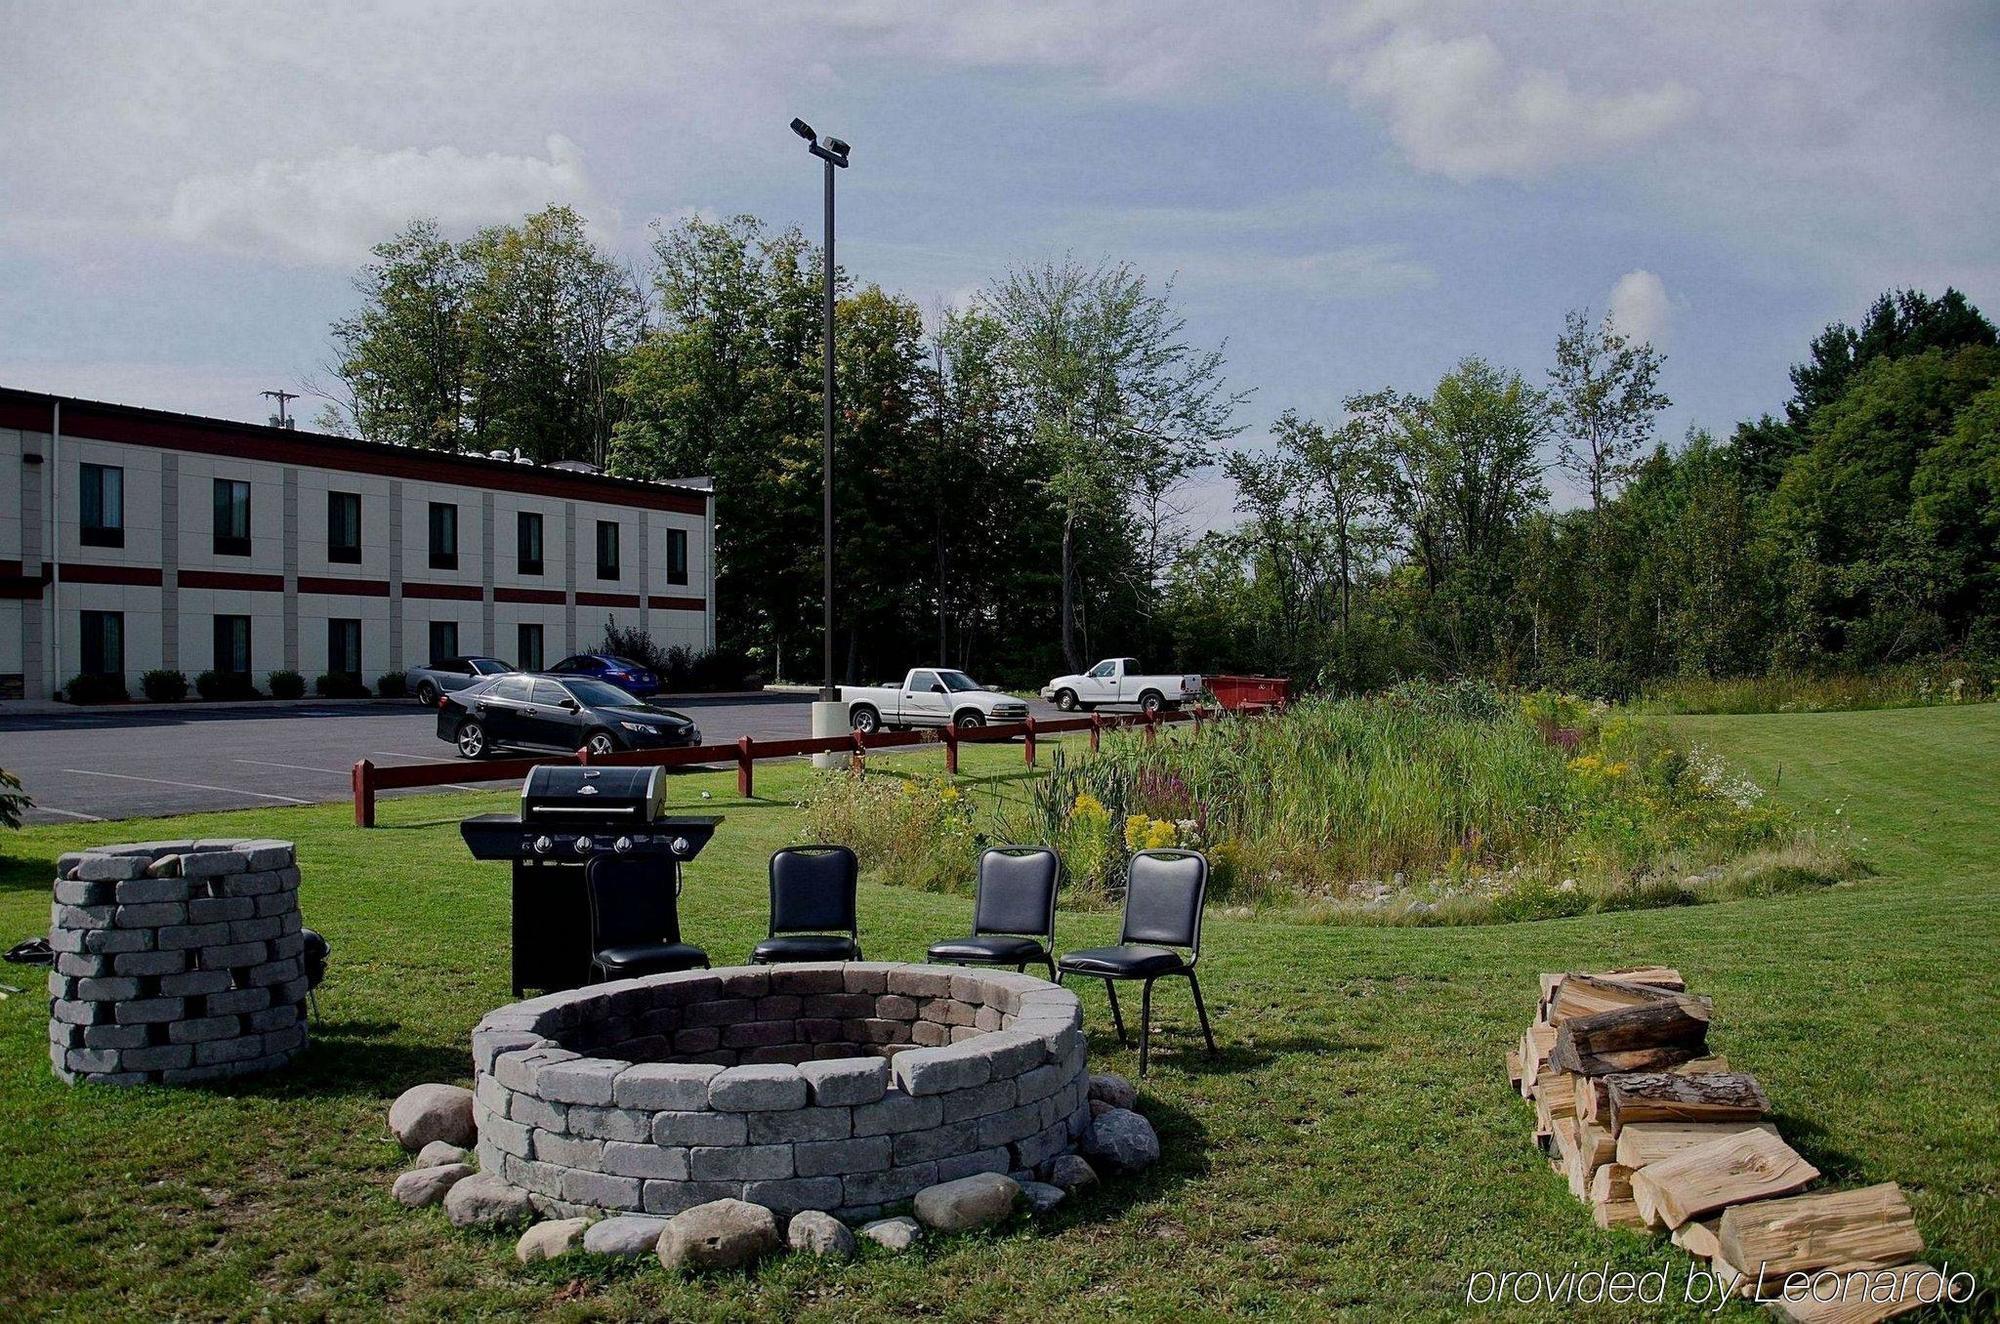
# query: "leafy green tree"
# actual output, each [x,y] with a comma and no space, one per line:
[402,358]
[1898,324]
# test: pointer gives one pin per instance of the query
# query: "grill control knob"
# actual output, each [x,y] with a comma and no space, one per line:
[680,845]
[623,845]
[583,845]
[543,845]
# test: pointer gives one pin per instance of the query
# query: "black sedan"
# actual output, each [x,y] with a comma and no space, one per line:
[544,713]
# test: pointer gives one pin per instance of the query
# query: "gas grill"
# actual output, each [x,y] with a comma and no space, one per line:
[569,816]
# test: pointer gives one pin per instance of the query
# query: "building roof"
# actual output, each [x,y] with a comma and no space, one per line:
[34,411]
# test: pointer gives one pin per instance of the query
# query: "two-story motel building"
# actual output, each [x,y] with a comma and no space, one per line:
[134,539]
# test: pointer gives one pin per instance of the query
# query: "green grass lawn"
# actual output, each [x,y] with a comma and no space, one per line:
[1355,1151]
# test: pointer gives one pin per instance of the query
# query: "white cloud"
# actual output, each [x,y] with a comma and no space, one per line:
[329,210]
[1355,271]
[1456,109]
[1640,308]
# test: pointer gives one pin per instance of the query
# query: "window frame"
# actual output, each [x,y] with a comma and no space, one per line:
[336,628]
[227,541]
[101,533]
[90,619]
[451,653]
[608,526]
[341,553]
[227,621]
[524,564]
[677,556]
[443,557]
[522,652]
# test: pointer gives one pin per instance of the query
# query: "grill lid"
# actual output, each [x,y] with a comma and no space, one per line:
[566,794]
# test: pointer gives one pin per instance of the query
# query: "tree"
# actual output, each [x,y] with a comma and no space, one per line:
[402,358]
[1121,407]
[1898,324]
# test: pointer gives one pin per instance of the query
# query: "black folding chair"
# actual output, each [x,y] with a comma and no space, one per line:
[812,893]
[1164,891]
[635,919]
[1016,898]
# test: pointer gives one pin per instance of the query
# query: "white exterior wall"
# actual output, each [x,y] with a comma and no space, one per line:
[168,504]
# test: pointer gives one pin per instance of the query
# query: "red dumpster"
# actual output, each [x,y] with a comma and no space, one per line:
[1249,694]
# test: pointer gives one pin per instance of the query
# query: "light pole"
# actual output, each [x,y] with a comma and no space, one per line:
[833,152]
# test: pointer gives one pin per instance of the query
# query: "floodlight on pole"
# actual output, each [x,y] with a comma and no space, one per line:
[834,152]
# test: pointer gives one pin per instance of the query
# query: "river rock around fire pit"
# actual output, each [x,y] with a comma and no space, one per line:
[840,1087]
[425,1114]
[722,1234]
[1123,1140]
[176,962]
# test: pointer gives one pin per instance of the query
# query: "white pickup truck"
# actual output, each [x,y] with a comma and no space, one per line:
[1118,680]
[929,696]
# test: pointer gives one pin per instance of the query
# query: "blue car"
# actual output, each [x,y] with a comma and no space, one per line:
[623,672]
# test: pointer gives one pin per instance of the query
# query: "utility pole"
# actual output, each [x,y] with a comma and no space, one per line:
[282,419]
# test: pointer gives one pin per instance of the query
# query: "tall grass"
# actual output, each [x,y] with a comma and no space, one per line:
[1913,686]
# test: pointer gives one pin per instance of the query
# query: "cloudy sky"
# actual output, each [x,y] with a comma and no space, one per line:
[1351,196]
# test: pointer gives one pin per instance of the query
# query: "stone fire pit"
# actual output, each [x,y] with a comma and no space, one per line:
[845,1088]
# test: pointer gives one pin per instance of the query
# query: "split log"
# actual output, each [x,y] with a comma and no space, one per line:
[1593,1147]
[1660,1096]
[1617,1213]
[1867,1295]
[1733,1280]
[1555,1094]
[1586,995]
[1752,1166]
[1666,1032]
[1640,1143]
[1611,1203]
[1536,1041]
[1593,1093]
[1867,1228]
[1658,976]
[1697,1237]
[1513,1070]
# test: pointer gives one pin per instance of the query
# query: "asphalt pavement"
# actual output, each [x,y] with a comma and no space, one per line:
[97,764]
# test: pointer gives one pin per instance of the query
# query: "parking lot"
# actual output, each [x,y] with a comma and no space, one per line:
[90,765]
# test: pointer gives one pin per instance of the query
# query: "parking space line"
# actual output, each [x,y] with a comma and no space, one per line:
[299,767]
[193,786]
[67,813]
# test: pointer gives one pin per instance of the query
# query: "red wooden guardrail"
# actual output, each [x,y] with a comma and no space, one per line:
[745,752]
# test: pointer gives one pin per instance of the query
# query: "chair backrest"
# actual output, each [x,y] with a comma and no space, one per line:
[1017,891]
[812,889]
[1164,892]
[632,900]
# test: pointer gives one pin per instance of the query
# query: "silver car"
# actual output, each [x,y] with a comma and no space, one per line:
[451,673]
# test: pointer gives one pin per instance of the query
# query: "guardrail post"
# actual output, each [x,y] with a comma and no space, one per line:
[950,734]
[1152,727]
[859,761]
[746,768]
[1194,715]
[1096,730]
[1028,743]
[583,756]
[364,794]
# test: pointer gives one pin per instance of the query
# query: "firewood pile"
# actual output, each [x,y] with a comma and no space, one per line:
[1654,1131]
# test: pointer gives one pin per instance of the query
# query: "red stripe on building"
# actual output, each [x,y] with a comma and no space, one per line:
[241,581]
[352,588]
[607,599]
[658,603]
[551,596]
[446,592]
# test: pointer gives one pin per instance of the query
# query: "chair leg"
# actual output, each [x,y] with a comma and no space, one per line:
[1111,989]
[1202,1011]
[1145,1024]
[1055,976]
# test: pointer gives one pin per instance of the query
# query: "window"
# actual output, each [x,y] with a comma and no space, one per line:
[607,549]
[528,543]
[444,640]
[444,538]
[104,642]
[1101,670]
[677,556]
[232,644]
[549,694]
[232,517]
[920,682]
[510,687]
[528,647]
[343,527]
[101,500]
[343,647]
[577,662]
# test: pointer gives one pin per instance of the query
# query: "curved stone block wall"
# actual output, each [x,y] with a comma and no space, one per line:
[176,962]
[840,1087]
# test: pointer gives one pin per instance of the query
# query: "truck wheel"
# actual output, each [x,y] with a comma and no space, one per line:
[968,720]
[471,740]
[1066,700]
[865,719]
[427,695]
[1151,702]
